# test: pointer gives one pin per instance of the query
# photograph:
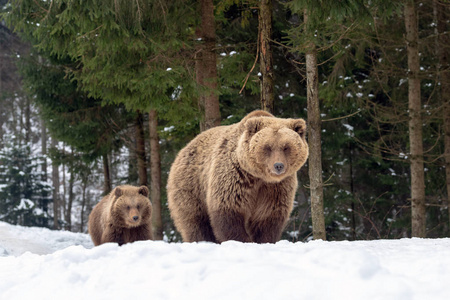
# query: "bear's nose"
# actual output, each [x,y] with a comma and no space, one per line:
[279,168]
[135,218]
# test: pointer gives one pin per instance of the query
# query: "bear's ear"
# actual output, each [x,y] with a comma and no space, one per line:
[118,192]
[143,190]
[299,126]
[253,125]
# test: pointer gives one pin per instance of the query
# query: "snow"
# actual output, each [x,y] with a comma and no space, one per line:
[349,127]
[42,264]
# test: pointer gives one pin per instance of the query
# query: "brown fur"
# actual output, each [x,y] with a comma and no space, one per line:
[228,182]
[123,216]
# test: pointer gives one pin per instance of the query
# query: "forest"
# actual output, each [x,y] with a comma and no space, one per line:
[98,93]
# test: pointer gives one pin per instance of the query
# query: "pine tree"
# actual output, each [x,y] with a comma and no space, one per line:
[206,66]
[418,216]
[265,55]
[314,31]
[314,134]
[442,11]
[155,171]
[23,193]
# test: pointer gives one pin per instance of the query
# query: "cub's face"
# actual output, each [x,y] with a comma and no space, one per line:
[275,148]
[132,208]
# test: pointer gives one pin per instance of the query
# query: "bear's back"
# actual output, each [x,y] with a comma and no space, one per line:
[97,219]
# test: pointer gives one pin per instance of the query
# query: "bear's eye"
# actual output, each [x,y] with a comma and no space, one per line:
[138,207]
[267,149]
[286,149]
[128,207]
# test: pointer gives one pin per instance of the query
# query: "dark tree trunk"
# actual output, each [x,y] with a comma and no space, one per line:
[44,196]
[83,205]
[314,142]
[56,197]
[206,67]
[155,170]
[27,120]
[443,43]
[107,183]
[68,211]
[415,123]
[140,150]
[265,55]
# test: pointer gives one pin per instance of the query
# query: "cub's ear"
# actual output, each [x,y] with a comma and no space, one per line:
[143,190]
[299,126]
[253,125]
[118,192]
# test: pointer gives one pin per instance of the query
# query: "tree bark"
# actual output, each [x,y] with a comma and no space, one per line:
[55,182]
[140,150]
[418,217]
[68,211]
[155,170]
[83,204]
[27,120]
[107,182]
[443,43]
[45,196]
[206,67]
[314,142]
[265,55]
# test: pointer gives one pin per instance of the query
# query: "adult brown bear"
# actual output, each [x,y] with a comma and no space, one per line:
[238,182]
[123,216]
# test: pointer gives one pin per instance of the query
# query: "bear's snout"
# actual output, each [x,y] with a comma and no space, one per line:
[279,168]
[135,218]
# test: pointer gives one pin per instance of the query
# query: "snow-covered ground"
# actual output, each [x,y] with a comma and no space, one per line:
[38,263]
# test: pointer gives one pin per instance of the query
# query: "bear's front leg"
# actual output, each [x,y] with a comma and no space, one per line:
[229,225]
[268,230]
[113,234]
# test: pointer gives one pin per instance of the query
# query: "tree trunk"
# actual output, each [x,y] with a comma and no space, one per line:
[83,204]
[352,191]
[140,150]
[155,170]
[314,139]
[443,42]
[206,67]
[44,150]
[55,182]
[107,183]
[265,55]
[44,196]
[27,120]
[63,196]
[68,211]
[415,123]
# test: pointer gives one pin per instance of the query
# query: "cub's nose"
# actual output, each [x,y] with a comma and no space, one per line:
[135,218]
[279,168]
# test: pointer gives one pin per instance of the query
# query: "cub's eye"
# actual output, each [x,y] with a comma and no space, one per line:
[128,207]
[138,206]
[267,149]
[286,149]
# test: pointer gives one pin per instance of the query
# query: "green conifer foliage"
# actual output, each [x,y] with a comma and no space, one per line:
[24,197]
[137,53]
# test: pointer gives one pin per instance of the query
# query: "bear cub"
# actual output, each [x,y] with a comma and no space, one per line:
[238,182]
[123,216]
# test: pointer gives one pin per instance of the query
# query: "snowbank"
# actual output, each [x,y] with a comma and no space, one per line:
[384,269]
